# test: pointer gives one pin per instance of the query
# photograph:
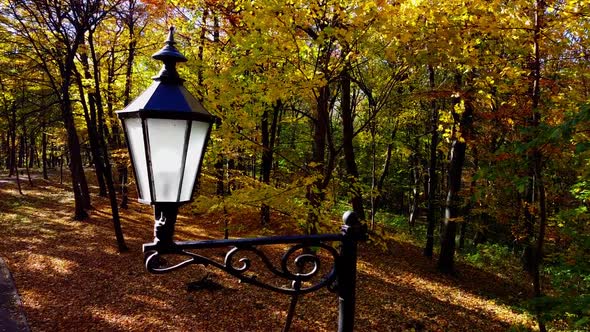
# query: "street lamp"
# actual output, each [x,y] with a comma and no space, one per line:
[167,130]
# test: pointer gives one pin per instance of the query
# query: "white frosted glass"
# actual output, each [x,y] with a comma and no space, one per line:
[166,148]
[137,148]
[193,158]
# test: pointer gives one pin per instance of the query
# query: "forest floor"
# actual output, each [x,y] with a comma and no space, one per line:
[71,277]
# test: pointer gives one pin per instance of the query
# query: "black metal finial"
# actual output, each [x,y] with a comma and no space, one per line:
[170,56]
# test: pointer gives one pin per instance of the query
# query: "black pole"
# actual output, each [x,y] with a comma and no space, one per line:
[165,219]
[353,231]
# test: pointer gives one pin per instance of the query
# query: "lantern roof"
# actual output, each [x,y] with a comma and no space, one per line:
[166,96]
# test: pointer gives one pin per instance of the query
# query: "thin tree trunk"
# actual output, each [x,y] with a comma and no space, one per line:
[467,212]
[124,175]
[537,156]
[202,42]
[115,138]
[92,133]
[453,201]
[348,147]
[315,190]
[6,148]
[61,168]
[375,195]
[20,190]
[92,121]
[13,164]
[102,129]
[12,129]
[21,152]
[44,151]
[52,157]
[113,200]
[268,141]
[79,184]
[27,156]
[219,164]
[131,49]
[377,188]
[31,151]
[103,151]
[431,205]
[415,187]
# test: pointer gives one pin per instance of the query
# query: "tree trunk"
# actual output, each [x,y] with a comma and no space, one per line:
[115,138]
[81,198]
[44,151]
[431,205]
[123,179]
[202,42]
[14,166]
[317,167]
[27,155]
[21,151]
[92,133]
[31,151]
[20,190]
[103,150]
[348,147]
[219,169]
[377,184]
[52,158]
[102,129]
[6,147]
[12,127]
[79,184]
[92,120]
[415,195]
[453,201]
[268,141]
[219,164]
[375,196]
[467,211]
[537,156]
[131,50]
[61,168]
[113,199]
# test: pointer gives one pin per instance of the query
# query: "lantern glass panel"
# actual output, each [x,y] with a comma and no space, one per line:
[136,143]
[196,146]
[167,142]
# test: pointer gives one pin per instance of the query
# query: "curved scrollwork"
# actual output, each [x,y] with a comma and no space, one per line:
[300,265]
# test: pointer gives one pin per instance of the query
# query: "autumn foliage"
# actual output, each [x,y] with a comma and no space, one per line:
[460,126]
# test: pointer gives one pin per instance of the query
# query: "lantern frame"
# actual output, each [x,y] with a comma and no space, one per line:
[165,99]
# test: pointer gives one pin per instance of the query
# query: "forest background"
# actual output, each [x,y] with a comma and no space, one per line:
[462,123]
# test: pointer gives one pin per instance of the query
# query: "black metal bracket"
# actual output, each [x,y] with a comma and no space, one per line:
[299,266]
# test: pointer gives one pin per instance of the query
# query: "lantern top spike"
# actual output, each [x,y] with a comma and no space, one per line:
[169,55]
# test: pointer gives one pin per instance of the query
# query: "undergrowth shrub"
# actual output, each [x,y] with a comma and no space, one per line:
[493,257]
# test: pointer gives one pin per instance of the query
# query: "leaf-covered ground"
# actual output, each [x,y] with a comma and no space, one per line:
[71,278]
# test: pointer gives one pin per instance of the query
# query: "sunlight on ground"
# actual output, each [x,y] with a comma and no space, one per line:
[33,299]
[447,294]
[116,319]
[49,265]
[150,301]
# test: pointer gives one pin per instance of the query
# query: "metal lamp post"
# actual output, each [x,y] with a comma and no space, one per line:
[167,130]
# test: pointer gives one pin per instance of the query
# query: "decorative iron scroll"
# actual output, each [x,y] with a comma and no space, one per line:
[300,264]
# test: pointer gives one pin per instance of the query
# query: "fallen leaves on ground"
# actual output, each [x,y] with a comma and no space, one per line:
[71,278]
